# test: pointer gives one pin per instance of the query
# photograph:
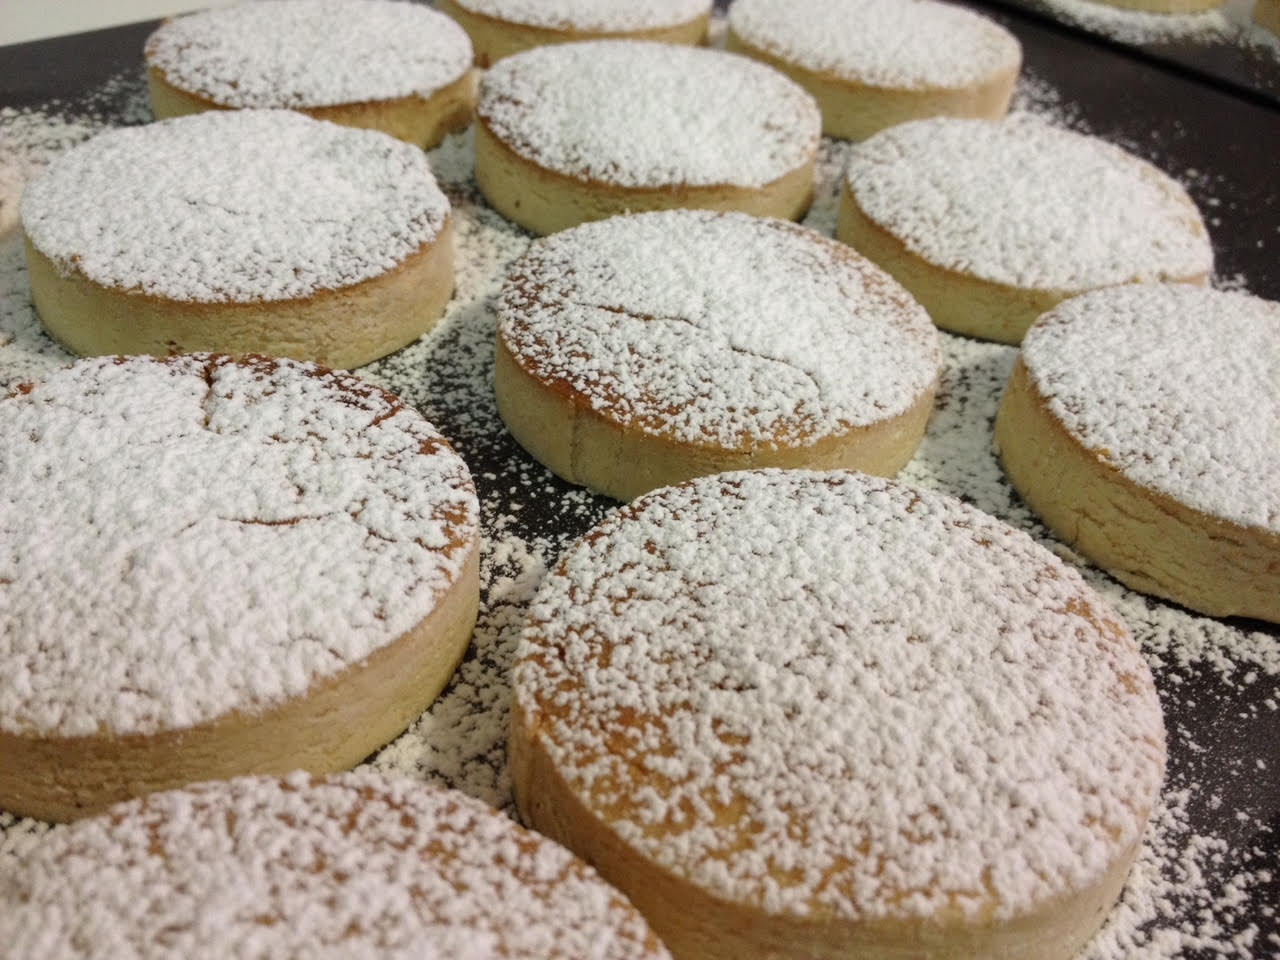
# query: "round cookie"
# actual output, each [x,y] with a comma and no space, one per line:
[1140,423]
[991,224]
[798,715]
[640,351]
[583,131]
[214,568]
[355,865]
[249,231]
[396,67]
[872,64]
[499,28]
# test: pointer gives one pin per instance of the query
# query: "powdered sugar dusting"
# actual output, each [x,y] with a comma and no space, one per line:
[235,206]
[882,753]
[593,16]
[718,328]
[912,45]
[1028,205]
[1177,387]
[310,53]
[650,114]
[353,866]
[140,497]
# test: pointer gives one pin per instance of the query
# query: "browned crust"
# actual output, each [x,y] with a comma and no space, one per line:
[1145,539]
[493,38]
[338,723]
[854,110]
[423,121]
[1266,14]
[341,328]
[546,201]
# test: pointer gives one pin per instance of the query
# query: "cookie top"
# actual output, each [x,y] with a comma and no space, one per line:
[190,536]
[827,692]
[1027,205]
[650,115]
[719,329]
[1176,386]
[235,206]
[301,54]
[355,865]
[591,16]
[894,44]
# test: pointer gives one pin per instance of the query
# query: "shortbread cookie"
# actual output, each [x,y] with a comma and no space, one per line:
[499,28]
[1142,424]
[644,350]
[214,568]
[356,865]
[253,231]
[991,224]
[400,68]
[583,131]
[798,715]
[872,64]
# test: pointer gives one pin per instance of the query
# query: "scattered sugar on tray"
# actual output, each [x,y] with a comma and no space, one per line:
[718,327]
[914,45]
[591,16]
[636,114]
[337,52]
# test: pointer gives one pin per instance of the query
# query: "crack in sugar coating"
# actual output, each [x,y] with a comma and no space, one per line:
[354,866]
[718,328]
[650,114]
[193,536]
[1026,204]
[1176,386]
[235,206]
[915,45]
[310,53]
[921,713]
[595,16]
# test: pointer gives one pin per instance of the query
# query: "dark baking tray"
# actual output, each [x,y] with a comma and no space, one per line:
[1224,146]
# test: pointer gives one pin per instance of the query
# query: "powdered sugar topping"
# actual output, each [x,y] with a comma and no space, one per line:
[1176,386]
[235,206]
[650,114]
[593,16]
[899,44]
[920,711]
[1026,204]
[718,328]
[310,53]
[188,537]
[354,866]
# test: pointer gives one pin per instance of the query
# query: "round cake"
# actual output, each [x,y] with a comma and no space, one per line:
[872,64]
[799,715]
[583,131]
[1141,423]
[991,224]
[215,567]
[643,350]
[250,231]
[400,68]
[499,28]
[355,865]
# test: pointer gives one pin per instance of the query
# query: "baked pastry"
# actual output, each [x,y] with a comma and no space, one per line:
[643,350]
[872,64]
[214,568]
[252,231]
[1140,423]
[1266,14]
[355,865]
[991,224]
[583,131]
[797,715]
[499,28]
[400,68]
